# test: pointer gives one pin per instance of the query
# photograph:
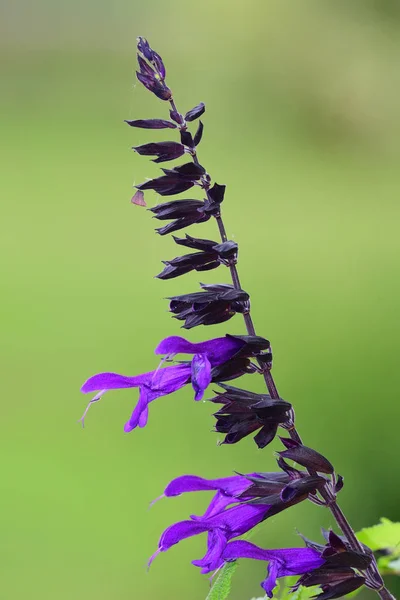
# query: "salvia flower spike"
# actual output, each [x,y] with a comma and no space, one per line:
[240,502]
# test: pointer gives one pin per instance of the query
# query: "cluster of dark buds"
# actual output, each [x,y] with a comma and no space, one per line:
[240,502]
[216,304]
[210,256]
[245,412]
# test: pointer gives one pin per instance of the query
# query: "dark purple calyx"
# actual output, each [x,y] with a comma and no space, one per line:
[163,150]
[195,112]
[211,256]
[182,213]
[215,304]
[307,457]
[245,412]
[151,124]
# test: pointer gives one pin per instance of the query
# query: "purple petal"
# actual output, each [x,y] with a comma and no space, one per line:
[233,522]
[140,409]
[201,375]
[180,531]
[294,558]
[144,416]
[282,562]
[273,572]
[170,379]
[235,484]
[159,383]
[175,344]
[227,490]
[166,380]
[213,558]
[218,350]
[238,519]
[220,501]
[113,381]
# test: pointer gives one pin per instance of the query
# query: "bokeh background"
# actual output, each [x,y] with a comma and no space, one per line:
[303,124]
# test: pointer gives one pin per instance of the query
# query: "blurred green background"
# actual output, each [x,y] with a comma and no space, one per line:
[303,125]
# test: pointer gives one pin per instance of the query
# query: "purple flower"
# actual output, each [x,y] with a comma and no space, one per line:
[163,381]
[241,502]
[221,527]
[282,562]
[227,489]
[220,521]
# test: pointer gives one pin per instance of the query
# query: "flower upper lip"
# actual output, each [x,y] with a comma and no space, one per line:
[200,371]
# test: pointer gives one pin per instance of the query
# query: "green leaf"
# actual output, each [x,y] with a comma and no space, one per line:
[284,591]
[222,585]
[304,593]
[385,536]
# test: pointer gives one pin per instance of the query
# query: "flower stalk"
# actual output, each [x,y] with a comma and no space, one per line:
[240,502]
[373,579]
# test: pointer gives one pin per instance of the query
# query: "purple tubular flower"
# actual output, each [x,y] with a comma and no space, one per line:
[164,381]
[241,502]
[283,562]
[200,375]
[227,489]
[221,527]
